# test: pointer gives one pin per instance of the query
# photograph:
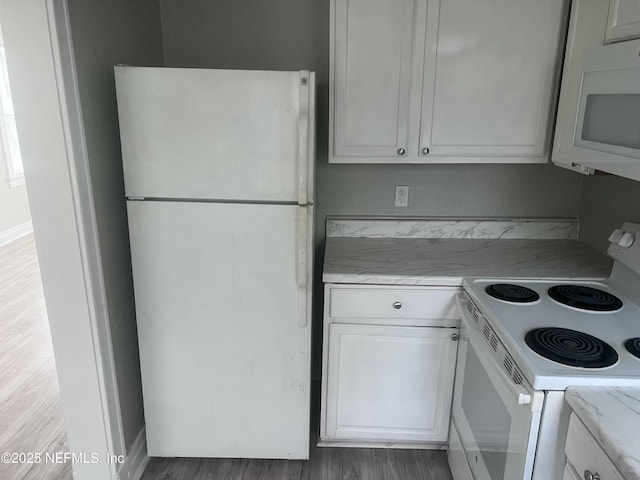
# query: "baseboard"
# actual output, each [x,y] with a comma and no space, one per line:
[377,444]
[134,464]
[15,233]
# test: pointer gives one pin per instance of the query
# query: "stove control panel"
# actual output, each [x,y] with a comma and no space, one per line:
[624,247]
[621,238]
[626,240]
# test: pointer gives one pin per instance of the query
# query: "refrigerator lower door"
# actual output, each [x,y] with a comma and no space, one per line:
[224,340]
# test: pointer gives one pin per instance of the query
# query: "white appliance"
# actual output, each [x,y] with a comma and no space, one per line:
[219,179]
[606,135]
[522,344]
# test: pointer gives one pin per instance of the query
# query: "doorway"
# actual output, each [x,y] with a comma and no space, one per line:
[33,430]
[37,38]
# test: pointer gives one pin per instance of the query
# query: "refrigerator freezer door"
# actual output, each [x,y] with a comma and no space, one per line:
[217,134]
[225,360]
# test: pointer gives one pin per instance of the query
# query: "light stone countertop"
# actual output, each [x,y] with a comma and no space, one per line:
[446,261]
[612,415]
[443,251]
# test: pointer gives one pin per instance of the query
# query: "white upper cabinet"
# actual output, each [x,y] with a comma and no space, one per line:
[488,88]
[443,81]
[624,20]
[372,55]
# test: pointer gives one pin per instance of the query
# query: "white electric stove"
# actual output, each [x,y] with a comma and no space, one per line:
[557,346]
[523,342]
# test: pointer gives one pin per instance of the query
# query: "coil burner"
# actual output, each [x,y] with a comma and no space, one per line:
[570,347]
[508,292]
[585,298]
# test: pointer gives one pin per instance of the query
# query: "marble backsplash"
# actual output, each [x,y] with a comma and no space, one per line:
[503,228]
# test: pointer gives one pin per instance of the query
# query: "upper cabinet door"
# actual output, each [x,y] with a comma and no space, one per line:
[372,50]
[489,78]
[624,20]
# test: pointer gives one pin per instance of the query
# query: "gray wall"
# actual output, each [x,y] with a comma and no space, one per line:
[292,35]
[104,34]
[606,202]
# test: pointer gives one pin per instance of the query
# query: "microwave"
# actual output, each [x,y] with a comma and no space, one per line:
[607,128]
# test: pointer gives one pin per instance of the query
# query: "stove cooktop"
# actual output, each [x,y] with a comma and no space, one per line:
[552,342]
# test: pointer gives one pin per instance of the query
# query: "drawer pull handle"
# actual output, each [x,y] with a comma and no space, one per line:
[591,476]
[397,305]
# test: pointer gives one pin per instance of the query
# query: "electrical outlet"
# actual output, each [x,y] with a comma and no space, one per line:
[402,196]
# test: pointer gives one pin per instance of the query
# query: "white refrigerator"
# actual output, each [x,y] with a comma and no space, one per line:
[219,183]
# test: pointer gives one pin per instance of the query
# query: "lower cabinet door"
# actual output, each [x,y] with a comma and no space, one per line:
[390,383]
[585,454]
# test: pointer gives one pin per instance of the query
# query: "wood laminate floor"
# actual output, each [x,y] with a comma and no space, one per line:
[324,464]
[31,419]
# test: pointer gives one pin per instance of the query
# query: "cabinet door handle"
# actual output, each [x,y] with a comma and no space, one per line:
[591,476]
[425,151]
[455,337]
[397,305]
[401,151]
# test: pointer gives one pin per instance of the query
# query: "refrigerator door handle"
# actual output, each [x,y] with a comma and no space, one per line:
[301,265]
[303,137]
[301,261]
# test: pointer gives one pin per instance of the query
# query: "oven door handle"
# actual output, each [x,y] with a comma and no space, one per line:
[522,396]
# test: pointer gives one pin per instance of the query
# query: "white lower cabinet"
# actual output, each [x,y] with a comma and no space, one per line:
[585,458]
[388,384]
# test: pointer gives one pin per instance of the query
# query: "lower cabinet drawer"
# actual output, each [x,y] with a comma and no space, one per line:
[585,455]
[388,302]
[389,383]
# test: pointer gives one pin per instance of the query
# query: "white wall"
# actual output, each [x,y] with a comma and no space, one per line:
[105,34]
[606,202]
[14,206]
